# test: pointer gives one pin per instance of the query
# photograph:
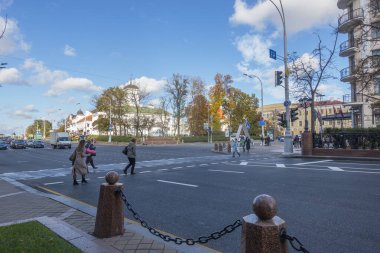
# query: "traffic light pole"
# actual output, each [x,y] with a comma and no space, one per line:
[288,147]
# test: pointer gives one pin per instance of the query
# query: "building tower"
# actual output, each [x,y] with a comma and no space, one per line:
[361,22]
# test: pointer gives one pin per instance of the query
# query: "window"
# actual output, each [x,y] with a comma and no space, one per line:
[300,123]
[376,31]
[377,86]
[321,111]
[330,110]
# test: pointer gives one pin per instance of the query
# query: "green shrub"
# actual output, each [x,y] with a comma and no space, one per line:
[190,139]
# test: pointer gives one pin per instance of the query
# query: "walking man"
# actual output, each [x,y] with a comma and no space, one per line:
[131,154]
[235,147]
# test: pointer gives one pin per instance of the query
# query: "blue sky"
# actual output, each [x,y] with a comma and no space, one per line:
[63,52]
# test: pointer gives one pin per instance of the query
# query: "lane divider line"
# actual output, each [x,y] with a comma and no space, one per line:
[322,161]
[280,165]
[228,171]
[335,168]
[170,182]
[243,163]
[56,183]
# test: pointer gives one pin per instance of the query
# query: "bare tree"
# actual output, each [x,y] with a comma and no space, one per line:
[310,70]
[178,90]
[163,115]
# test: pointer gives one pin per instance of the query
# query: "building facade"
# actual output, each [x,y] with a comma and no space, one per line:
[328,114]
[361,22]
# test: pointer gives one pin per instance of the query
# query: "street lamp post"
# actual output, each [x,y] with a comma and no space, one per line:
[305,101]
[110,126]
[262,101]
[208,124]
[288,147]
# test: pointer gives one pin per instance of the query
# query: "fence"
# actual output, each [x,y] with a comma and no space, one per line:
[262,232]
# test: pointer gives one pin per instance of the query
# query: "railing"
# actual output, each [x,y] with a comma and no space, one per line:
[347,141]
[346,45]
[350,15]
[346,73]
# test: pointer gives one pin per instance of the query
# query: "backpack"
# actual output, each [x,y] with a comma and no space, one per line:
[125,151]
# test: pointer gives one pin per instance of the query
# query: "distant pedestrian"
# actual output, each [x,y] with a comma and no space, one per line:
[235,147]
[262,140]
[268,140]
[130,151]
[247,144]
[91,150]
[80,167]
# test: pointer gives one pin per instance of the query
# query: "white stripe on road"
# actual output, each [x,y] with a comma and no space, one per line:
[54,183]
[145,171]
[322,161]
[190,166]
[163,169]
[170,182]
[104,177]
[176,168]
[243,163]
[214,163]
[280,165]
[228,171]
[335,168]
[10,194]
[203,164]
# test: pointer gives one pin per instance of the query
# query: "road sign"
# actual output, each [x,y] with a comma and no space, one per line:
[287,103]
[272,54]
[262,123]
[110,128]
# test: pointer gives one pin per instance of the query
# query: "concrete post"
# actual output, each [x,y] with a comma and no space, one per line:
[110,211]
[220,147]
[261,231]
[307,143]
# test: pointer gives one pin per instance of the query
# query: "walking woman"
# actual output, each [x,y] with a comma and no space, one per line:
[80,167]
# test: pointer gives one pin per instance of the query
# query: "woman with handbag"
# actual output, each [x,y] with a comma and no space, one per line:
[79,167]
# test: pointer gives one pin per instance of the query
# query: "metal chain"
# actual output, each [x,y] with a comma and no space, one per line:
[203,239]
[293,240]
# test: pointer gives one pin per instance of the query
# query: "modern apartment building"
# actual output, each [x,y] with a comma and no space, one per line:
[361,22]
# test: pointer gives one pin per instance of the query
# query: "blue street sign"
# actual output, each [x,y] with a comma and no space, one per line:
[272,54]
[110,128]
[262,123]
[287,103]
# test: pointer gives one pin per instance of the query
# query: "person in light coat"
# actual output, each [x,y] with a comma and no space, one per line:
[80,167]
[234,146]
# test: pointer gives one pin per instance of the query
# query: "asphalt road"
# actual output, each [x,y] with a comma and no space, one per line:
[186,190]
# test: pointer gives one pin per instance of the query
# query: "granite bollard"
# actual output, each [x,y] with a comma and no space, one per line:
[110,211]
[261,231]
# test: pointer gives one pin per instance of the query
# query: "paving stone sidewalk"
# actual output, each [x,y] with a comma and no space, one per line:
[20,203]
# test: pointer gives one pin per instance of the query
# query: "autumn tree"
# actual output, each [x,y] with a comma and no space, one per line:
[217,94]
[38,125]
[177,88]
[310,70]
[198,108]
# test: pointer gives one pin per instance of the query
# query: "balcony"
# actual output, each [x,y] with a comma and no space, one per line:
[343,4]
[350,19]
[347,74]
[348,48]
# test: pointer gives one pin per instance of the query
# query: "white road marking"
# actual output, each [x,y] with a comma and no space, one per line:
[103,177]
[55,183]
[228,171]
[176,168]
[170,182]
[335,168]
[243,163]
[203,164]
[214,163]
[280,165]
[145,171]
[163,169]
[10,194]
[322,161]
[190,166]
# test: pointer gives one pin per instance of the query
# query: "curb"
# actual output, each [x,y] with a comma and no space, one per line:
[332,157]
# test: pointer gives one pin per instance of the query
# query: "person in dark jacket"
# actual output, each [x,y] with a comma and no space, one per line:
[131,154]
[90,149]
[247,144]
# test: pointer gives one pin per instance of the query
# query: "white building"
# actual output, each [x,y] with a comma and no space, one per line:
[361,22]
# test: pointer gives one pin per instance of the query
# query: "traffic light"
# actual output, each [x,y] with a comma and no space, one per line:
[293,114]
[281,120]
[278,78]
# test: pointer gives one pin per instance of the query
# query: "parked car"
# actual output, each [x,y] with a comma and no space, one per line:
[29,143]
[38,144]
[3,145]
[18,144]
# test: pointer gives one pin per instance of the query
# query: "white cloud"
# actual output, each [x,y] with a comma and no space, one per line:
[154,102]
[71,83]
[300,14]
[150,84]
[11,76]
[22,114]
[13,40]
[60,81]
[254,48]
[69,51]
[30,108]
[333,91]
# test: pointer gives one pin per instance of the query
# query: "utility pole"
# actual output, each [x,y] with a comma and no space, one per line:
[288,147]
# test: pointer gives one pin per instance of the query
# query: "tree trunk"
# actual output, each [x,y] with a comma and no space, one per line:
[312,116]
